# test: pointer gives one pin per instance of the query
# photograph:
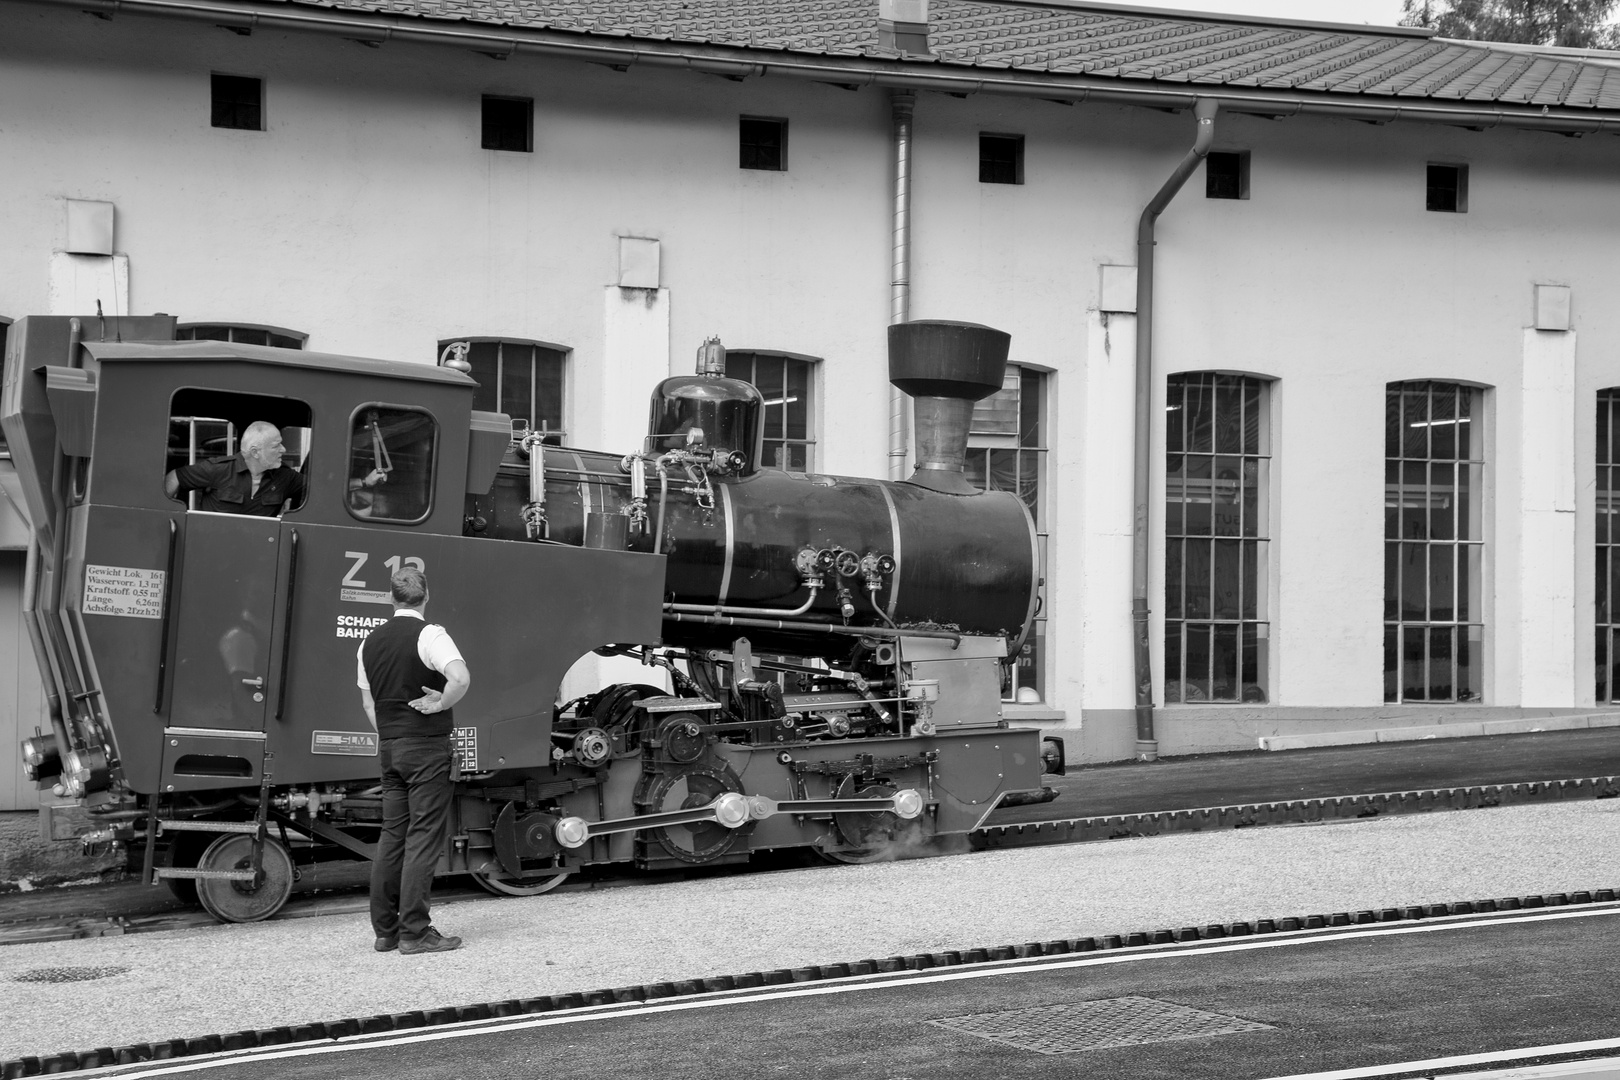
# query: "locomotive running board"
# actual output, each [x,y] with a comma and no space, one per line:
[733,810]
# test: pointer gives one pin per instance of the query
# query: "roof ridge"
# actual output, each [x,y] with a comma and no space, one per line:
[1104,7]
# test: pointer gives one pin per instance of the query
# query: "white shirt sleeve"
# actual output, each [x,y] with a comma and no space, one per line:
[360,668]
[435,649]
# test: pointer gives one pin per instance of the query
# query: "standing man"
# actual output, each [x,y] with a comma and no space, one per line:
[405,655]
[252,481]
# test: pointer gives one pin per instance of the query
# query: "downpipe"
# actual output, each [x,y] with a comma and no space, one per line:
[903,104]
[1147,747]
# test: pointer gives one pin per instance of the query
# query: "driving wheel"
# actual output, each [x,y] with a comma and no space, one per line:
[502,884]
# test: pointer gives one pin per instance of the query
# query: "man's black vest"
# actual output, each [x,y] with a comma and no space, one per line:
[397,675]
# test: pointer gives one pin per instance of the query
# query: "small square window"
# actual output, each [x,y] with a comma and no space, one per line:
[509,124]
[236,101]
[1001,159]
[1448,189]
[762,144]
[1226,174]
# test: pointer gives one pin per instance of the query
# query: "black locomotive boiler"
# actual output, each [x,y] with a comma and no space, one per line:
[824,652]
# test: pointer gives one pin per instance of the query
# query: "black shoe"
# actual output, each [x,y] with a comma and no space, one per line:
[387,943]
[431,941]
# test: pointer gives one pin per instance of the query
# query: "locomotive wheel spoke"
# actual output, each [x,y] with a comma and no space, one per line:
[245,901]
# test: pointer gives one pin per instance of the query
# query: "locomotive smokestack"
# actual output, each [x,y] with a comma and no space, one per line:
[945,367]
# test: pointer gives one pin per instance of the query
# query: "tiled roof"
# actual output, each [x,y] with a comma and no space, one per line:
[1070,38]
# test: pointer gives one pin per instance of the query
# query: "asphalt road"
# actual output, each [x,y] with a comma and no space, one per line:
[1351,998]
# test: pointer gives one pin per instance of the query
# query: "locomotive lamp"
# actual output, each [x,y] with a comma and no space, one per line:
[41,760]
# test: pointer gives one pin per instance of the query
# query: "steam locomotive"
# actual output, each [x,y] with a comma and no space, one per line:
[824,652]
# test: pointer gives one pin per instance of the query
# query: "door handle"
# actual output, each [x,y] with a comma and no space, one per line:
[257,684]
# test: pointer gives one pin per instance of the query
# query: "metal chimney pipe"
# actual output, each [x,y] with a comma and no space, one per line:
[946,367]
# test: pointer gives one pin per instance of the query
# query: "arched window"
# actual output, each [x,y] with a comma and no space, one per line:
[1607,596]
[788,383]
[1434,545]
[1007,452]
[241,334]
[1217,490]
[523,379]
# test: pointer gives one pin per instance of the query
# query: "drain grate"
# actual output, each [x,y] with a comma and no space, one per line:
[1095,1025]
[67,974]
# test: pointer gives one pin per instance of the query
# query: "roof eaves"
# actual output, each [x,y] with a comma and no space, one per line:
[882,68]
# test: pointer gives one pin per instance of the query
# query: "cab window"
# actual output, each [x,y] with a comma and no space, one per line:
[206,428]
[392,451]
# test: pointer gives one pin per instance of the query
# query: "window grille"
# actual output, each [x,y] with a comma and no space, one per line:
[788,385]
[508,124]
[1001,159]
[523,379]
[1216,538]
[1608,545]
[1434,549]
[242,334]
[236,101]
[762,144]
[1007,452]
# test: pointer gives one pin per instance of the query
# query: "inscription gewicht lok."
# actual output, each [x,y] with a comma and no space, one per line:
[126,591]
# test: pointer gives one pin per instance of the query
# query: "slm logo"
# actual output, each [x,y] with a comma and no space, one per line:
[347,743]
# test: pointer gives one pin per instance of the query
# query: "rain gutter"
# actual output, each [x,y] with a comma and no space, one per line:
[737,63]
[1147,747]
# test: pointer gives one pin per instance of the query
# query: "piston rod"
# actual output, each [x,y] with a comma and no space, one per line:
[733,810]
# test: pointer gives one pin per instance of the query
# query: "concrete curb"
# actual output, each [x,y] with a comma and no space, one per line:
[138,1053]
[1440,731]
[1292,812]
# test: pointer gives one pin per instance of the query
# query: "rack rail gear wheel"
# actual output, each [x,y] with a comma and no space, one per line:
[873,835]
[245,901]
[502,884]
[684,789]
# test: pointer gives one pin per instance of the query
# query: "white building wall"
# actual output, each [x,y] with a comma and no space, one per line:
[368,217]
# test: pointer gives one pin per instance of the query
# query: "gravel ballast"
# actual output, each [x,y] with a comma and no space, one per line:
[192,983]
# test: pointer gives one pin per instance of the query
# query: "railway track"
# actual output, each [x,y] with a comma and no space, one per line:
[1051,831]
[348,896]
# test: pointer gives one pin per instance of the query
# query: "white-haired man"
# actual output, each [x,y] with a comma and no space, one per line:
[252,481]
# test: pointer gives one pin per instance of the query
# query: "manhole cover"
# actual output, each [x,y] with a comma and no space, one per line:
[67,974]
[1094,1025]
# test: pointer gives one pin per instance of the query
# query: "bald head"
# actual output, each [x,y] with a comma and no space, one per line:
[261,446]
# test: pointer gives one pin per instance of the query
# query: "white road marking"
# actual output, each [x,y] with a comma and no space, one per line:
[887,980]
[1589,1070]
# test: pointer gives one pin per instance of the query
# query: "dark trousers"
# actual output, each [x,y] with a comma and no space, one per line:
[415,808]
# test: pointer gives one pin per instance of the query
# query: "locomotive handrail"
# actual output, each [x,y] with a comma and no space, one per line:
[813,627]
[286,625]
[724,609]
[168,618]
